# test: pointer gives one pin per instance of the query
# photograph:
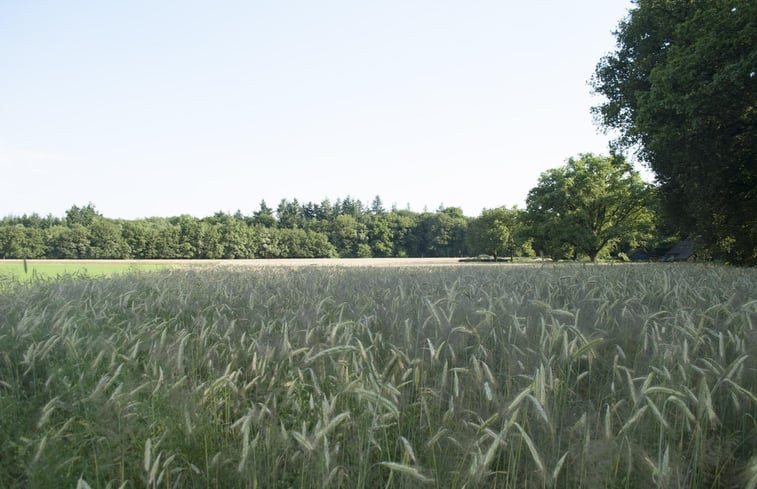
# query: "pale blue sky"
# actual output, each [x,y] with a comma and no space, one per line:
[158,108]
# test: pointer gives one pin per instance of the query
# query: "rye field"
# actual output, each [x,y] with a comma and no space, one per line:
[566,376]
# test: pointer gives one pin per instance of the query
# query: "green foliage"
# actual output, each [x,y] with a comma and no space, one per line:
[379,236]
[264,216]
[19,241]
[290,214]
[681,88]
[401,223]
[81,215]
[347,234]
[377,206]
[439,234]
[68,242]
[588,206]
[106,240]
[494,232]
[236,238]
[298,243]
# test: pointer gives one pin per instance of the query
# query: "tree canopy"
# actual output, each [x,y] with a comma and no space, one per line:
[493,232]
[587,206]
[680,88]
[347,228]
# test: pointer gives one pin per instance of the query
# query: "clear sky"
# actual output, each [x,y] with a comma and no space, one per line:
[160,108]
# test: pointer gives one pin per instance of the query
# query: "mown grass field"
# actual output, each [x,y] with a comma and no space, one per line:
[51,269]
[47,269]
[448,377]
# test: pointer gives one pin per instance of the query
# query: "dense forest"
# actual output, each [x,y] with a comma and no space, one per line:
[592,207]
[346,228]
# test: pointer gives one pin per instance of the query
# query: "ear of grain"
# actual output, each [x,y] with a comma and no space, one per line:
[147,460]
[332,424]
[660,418]
[82,484]
[558,466]
[534,452]
[519,398]
[751,473]
[408,449]
[409,471]
[705,401]
[608,423]
[633,419]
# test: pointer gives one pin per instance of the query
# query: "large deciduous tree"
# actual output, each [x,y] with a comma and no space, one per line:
[587,206]
[681,89]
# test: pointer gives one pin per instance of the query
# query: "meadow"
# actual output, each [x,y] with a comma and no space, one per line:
[49,269]
[569,376]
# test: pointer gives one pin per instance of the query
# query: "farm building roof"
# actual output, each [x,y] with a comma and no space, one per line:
[682,251]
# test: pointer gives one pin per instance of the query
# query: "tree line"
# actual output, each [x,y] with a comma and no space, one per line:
[346,228]
[593,207]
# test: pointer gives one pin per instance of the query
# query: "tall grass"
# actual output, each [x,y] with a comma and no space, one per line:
[565,377]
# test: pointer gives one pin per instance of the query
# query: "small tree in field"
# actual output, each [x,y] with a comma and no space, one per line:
[493,232]
[589,205]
